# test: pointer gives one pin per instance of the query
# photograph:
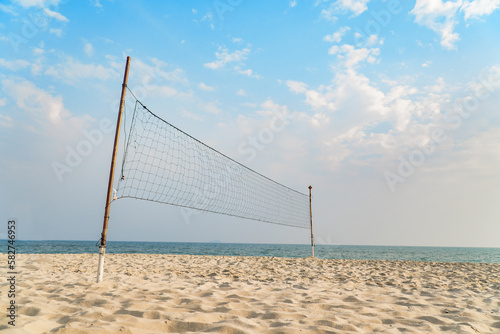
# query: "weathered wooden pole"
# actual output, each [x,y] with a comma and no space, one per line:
[102,247]
[311,214]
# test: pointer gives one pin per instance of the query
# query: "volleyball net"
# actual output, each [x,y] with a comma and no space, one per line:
[164,164]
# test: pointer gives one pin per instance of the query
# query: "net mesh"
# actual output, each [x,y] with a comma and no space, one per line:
[164,164]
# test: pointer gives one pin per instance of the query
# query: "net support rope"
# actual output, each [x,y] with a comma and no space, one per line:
[166,165]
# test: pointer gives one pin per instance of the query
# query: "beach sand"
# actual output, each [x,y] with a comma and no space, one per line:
[141,293]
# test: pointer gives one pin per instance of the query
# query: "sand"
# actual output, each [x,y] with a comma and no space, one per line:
[140,293]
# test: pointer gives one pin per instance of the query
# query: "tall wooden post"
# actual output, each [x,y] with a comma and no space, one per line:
[311,214]
[102,247]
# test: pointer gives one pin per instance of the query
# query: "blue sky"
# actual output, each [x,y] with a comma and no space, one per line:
[392,108]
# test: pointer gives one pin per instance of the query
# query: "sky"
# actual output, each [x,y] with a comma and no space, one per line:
[391,107]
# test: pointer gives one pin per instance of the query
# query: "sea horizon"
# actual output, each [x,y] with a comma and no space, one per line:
[215,248]
[250,243]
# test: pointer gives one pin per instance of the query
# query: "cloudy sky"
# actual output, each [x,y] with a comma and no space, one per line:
[392,110]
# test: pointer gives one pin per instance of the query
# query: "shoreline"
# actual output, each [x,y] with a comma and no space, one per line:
[151,293]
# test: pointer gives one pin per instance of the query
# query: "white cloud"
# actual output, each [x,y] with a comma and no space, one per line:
[428,10]
[234,60]
[448,36]
[296,86]
[249,124]
[72,69]
[30,98]
[328,15]
[5,121]
[14,65]
[224,57]
[442,17]
[270,105]
[97,3]
[293,3]
[353,92]
[188,114]
[490,80]
[427,63]
[477,8]
[210,107]
[8,9]
[37,67]
[38,51]
[373,39]
[42,113]
[163,91]
[351,56]
[318,99]
[337,36]
[354,118]
[241,92]
[400,109]
[156,80]
[248,72]
[320,119]
[55,15]
[89,49]
[208,17]
[205,87]
[355,6]
[36,3]
[157,73]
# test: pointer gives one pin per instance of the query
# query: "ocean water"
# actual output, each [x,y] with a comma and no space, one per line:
[437,254]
